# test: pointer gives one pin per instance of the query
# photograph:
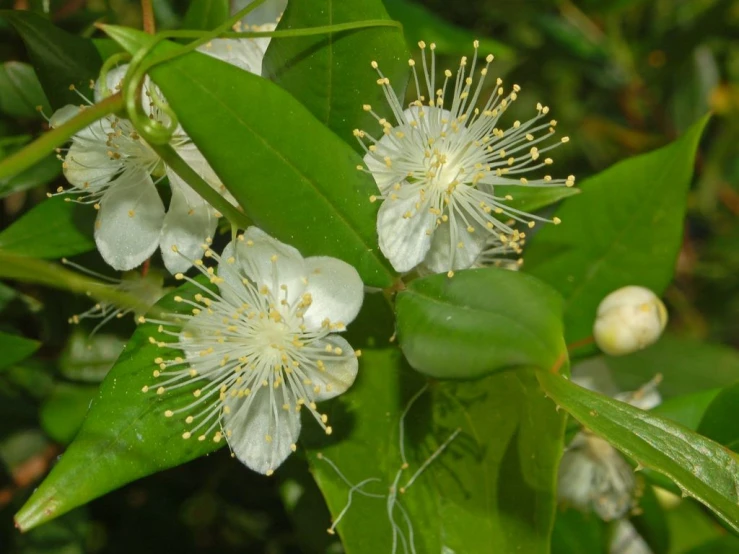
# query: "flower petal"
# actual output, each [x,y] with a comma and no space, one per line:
[245,54]
[130,220]
[189,222]
[195,159]
[88,166]
[405,240]
[454,247]
[336,291]
[262,433]
[341,370]
[271,263]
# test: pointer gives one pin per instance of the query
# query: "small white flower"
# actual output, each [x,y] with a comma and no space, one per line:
[438,166]
[263,347]
[113,168]
[629,319]
[593,475]
[248,53]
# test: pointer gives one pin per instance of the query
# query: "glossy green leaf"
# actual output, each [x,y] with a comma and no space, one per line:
[15,349]
[702,468]
[37,175]
[294,178]
[492,489]
[687,410]
[530,199]
[59,58]
[52,229]
[331,75]
[124,437]
[480,321]
[419,23]
[20,91]
[63,412]
[624,229]
[206,14]
[719,422]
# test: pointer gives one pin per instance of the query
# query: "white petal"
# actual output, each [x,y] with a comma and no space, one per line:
[404,240]
[384,176]
[271,263]
[63,114]
[229,271]
[336,290]
[245,54]
[189,222]
[454,247]
[112,84]
[87,166]
[340,370]
[261,431]
[267,13]
[130,221]
[195,159]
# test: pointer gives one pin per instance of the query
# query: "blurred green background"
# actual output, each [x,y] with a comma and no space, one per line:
[621,77]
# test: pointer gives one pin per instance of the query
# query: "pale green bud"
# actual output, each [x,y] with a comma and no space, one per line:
[629,319]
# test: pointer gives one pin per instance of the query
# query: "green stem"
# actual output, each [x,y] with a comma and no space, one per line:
[173,160]
[41,272]
[46,143]
[289,33]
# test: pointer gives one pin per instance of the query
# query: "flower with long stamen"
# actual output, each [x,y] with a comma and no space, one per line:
[439,166]
[262,347]
[113,168]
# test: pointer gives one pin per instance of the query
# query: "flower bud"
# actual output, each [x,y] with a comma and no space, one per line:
[629,319]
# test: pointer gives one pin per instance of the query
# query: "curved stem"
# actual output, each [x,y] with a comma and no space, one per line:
[46,143]
[41,272]
[173,160]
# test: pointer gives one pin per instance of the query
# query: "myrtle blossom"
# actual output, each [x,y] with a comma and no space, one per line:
[262,347]
[112,167]
[438,167]
[593,475]
[248,53]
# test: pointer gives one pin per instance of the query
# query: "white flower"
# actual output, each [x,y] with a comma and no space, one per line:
[438,166]
[595,476]
[629,319]
[263,347]
[248,53]
[112,167]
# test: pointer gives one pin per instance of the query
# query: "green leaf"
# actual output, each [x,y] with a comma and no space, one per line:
[702,468]
[89,359]
[21,92]
[52,229]
[687,410]
[530,199]
[420,23]
[15,349]
[577,532]
[63,412]
[491,490]
[624,229]
[37,175]
[331,74]
[124,437]
[682,363]
[480,321]
[206,14]
[650,521]
[59,58]
[719,421]
[294,178]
